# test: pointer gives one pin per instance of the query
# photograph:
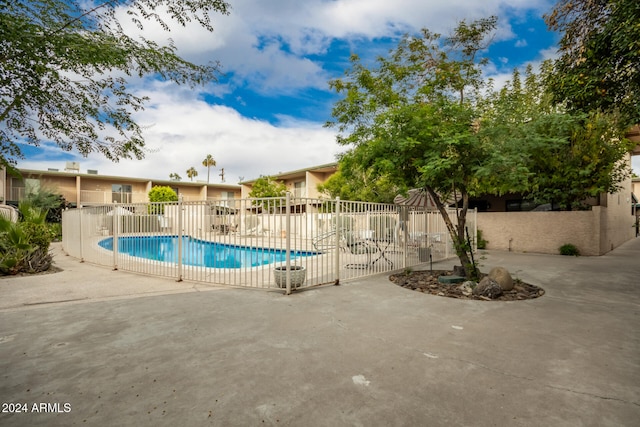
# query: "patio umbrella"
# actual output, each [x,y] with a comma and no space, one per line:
[420,198]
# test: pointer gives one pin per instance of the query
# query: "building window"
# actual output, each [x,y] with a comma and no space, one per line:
[22,188]
[229,196]
[299,189]
[121,193]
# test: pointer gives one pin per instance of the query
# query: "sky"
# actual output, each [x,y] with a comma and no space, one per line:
[266,113]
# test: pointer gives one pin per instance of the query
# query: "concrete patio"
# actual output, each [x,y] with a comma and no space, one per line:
[124,349]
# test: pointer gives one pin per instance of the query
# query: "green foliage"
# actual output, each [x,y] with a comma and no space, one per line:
[352,182]
[50,201]
[208,162]
[481,243]
[158,194]
[192,173]
[162,194]
[14,247]
[38,235]
[24,245]
[600,52]
[410,118]
[267,186]
[579,157]
[569,249]
[55,231]
[545,152]
[31,213]
[65,66]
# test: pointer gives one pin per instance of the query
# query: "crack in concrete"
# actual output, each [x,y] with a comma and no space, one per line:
[507,374]
[438,356]
[592,394]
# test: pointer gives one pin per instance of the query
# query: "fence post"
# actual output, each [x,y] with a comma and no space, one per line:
[338,229]
[80,211]
[287,226]
[180,219]
[116,226]
[404,222]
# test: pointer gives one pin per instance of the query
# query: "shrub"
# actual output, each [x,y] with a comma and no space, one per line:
[24,246]
[37,235]
[49,201]
[158,194]
[569,250]
[481,243]
[14,247]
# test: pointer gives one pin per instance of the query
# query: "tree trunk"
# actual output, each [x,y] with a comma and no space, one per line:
[457,232]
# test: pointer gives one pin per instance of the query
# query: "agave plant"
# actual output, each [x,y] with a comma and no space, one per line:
[14,245]
[24,246]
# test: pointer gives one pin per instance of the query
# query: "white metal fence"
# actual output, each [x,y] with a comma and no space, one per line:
[240,242]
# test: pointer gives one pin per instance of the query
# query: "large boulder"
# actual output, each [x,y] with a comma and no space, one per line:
[502,277]
[488,288]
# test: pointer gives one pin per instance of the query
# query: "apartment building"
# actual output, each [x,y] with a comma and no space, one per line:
[301,183]
[90,188]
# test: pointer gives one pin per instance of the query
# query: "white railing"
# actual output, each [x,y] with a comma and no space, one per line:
[97,197]
[242,243]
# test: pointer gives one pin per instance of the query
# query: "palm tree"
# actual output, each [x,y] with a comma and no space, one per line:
[192,172]
[208,162]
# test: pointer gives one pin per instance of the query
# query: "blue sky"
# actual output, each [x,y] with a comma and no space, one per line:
[266,113]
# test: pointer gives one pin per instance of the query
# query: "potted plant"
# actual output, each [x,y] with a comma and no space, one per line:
[298,276]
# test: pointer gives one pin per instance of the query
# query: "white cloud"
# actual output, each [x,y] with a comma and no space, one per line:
[180,130]
[266,47]
[259,39]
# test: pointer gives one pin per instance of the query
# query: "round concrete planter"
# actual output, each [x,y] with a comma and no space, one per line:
[298,276]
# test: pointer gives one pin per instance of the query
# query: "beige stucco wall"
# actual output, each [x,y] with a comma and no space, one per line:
[636,187]
[216,193]
[313,180]
[3,186]
[617,219]
[593,232]
[541,232]
[190,193]
[62,185]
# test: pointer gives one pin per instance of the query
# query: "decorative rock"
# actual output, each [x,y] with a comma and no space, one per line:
[502,277]
[467,287]
[488,288]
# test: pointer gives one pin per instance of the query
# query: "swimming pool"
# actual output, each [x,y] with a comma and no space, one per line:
[199,252]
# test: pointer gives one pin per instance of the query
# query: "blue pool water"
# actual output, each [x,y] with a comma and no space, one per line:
[198,252]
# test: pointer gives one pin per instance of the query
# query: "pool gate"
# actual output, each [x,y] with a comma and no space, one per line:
[326,241]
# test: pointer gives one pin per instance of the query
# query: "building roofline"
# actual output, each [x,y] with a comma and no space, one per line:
[283,175]
[124,178]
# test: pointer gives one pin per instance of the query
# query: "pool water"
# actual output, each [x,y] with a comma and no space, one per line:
[199,252]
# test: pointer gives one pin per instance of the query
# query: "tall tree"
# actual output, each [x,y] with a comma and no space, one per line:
[353,182]
[192,173]
[412,118]
[559,157]
[265,187]
[208,162]
[599,64]
[64,69]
